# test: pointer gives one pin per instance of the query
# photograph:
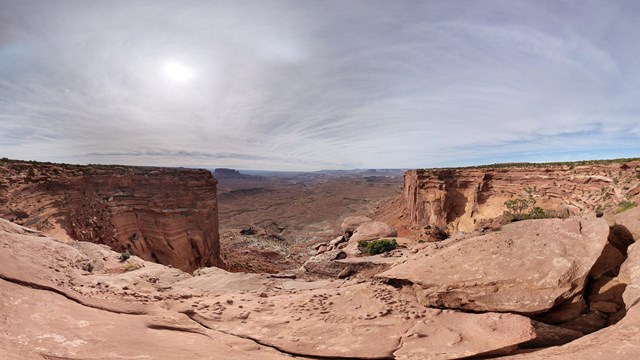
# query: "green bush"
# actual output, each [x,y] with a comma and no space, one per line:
[523,208]
[624,206]
[125,256]
[537,213]
[375,247]
[88,267]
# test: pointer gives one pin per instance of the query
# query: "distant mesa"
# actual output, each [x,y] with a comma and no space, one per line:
[225,173]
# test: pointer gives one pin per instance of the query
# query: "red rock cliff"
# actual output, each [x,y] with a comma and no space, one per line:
[165,215]
[467,199]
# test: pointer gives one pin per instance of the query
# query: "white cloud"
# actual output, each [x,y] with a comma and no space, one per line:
[305,85]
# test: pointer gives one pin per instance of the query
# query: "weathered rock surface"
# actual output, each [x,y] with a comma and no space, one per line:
[372,230]
[53,307]
[527,268]
[618,341]
[160,214]
[351,223]
[473,198]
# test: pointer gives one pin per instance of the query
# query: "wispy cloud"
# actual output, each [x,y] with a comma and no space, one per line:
[309,85]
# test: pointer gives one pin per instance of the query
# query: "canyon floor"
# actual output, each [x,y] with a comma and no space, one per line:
[269,220]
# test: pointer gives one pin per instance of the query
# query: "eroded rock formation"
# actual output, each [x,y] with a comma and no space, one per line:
[55,305]
[469,199]
[160,214]
[529,267]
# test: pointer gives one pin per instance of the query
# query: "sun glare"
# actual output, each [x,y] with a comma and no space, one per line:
[177,72]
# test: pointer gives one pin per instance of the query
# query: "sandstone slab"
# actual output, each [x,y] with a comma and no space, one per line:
[351,223]
[39,324]
[371,231]
[528,267]
[365,321]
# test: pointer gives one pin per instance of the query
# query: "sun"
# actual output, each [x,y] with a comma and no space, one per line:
[177,72]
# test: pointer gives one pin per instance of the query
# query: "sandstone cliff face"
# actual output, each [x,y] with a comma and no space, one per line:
[472,198]
[164,215]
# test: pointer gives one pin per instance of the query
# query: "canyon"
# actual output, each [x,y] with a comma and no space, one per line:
[160,214]
[469,199]
[460,281]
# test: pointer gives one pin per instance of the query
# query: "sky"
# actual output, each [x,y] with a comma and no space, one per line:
[310,85]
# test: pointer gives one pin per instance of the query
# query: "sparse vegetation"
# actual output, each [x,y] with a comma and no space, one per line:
[569,164]
[375,247]
[88,267]
[523,208]
[624,206]
[125,256]
[131,265]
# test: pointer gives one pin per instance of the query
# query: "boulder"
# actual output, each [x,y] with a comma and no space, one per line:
[619,341]
[630,219]
[607,289]
[373,230]
[527,268]
[569,310]
[587,323]
[351,223]
[608,264]
[550,335]
[630,275]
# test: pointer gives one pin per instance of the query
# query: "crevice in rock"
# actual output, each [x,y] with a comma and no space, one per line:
[54,357]
[194,317]
[600,304]
[177,329]
[77,300]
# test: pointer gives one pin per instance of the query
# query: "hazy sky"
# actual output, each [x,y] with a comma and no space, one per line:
[318,84]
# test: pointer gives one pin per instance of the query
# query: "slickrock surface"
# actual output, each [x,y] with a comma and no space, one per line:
[473,198]
[53,308]
[164,215]
[527,268]
[532,285]
[619,341]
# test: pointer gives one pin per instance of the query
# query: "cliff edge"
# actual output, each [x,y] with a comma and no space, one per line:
[165,215]
[468,199]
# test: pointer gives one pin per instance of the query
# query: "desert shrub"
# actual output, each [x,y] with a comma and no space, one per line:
[523,208]
[88,267]
[375,247]
[520,205]
[130,266]
[125,256]
[537,213]
[624,206]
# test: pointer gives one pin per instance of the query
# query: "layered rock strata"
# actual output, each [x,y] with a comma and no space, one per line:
[160,214]
[469,199]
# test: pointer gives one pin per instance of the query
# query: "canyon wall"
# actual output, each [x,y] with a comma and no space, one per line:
[165,215]
[468,199]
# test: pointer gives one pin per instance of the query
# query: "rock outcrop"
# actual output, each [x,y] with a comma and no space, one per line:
[372,230]
[160,214]
[54,306]
[618,341]
[62,300]
[469,199]
[529,267]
